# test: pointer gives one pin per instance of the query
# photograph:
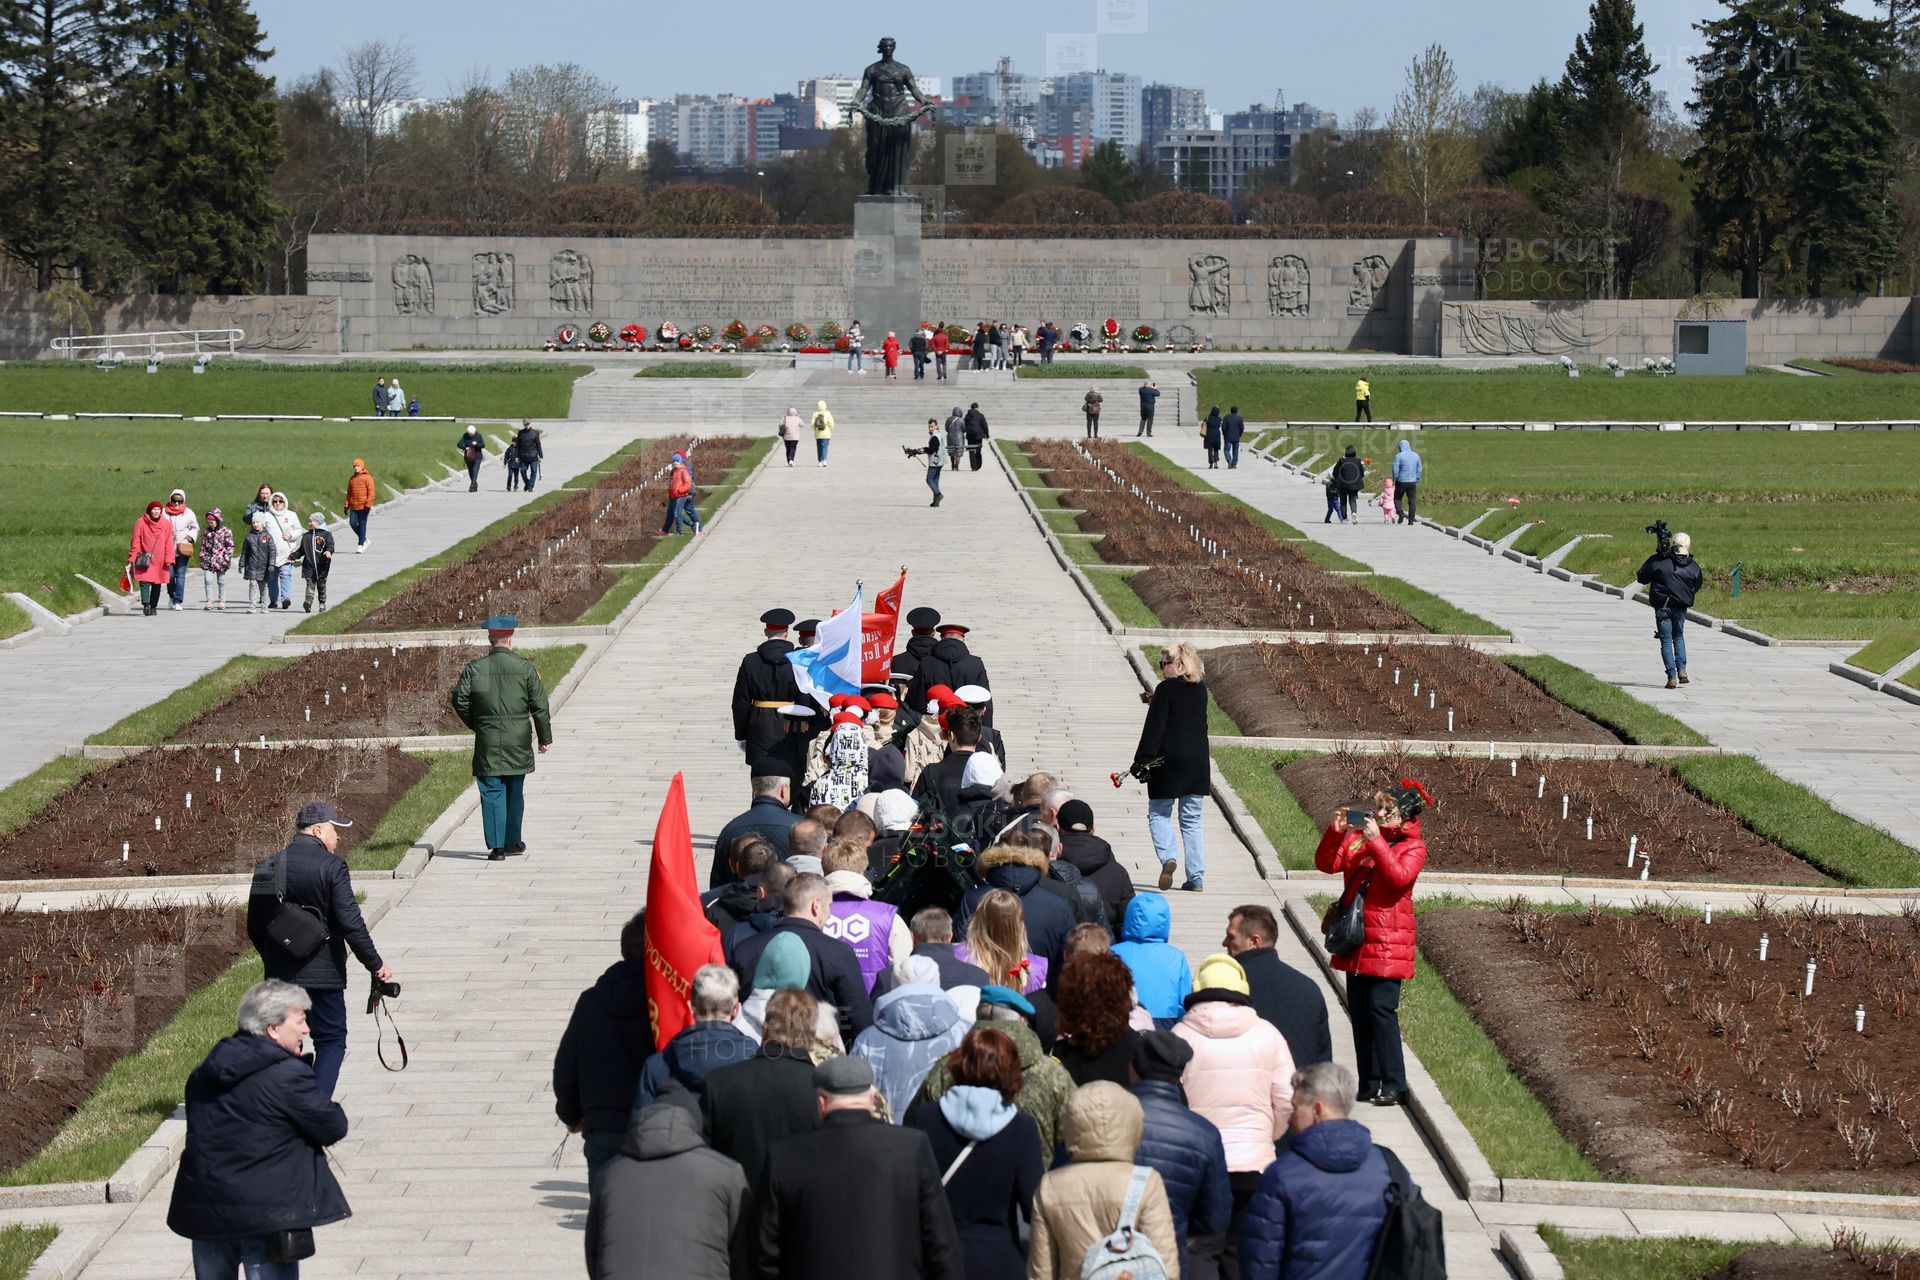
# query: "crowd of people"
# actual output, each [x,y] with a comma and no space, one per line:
[990,345]
[270,545]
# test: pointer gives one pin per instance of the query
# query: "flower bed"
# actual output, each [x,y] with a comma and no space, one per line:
[1669,1051]
[400,691]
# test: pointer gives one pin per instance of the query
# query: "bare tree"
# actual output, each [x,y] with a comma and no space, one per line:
[549,130]
[1430,151]
[374,78]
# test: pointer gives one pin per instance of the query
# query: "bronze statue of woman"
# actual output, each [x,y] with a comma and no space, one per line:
[882,97]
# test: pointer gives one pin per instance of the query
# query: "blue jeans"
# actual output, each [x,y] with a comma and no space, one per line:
[357,521]
[529,472]
[933,480]
[1233,453]
[854,360]
[820,447]
[502,800]
[1192,833]
[226,1259]
[1670,625]
[177,580]
[327,1024]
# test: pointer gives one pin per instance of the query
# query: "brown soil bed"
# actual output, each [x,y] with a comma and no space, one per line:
[553,568]
[86,988]
[394,692]
[1491,816]
[234,822]
[1262,581]
[1348,692]
[1785,1262]
[1669,1052]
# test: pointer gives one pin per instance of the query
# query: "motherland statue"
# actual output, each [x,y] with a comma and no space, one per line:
[882,98]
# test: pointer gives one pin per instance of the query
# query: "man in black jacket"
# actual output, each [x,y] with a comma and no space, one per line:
[855,1197]
[1281,994]
[976,433]
[764,684]
[835,974]
[1149,394]
[1350,476]
[751,1105]
[1672,579]
[951,663]
[306,876]
[526,443]
[1232,427]
[769,816]
[939,783]
[608,1039]
[1094,859]
[918,345]
[920,642]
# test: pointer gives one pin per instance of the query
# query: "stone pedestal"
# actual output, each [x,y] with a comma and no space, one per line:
[884,267]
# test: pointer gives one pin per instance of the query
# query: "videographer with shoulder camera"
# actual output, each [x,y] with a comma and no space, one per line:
[932,455]
[301,918]
[1672,578]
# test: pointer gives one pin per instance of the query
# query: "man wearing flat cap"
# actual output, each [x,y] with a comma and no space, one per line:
[501,699]
[951,663]
[301,918]
[855,1197]
[764,684]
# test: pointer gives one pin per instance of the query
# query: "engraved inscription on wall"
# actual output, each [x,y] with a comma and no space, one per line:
[1026,287]
[492,283]
[412,286]
[351,276]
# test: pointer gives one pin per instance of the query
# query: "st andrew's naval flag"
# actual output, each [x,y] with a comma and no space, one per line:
[832,665]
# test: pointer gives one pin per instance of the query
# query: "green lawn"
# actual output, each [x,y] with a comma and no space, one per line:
[1421,393]
[1887,648]
[1087,371]
[696,369]
[1249,772]
[1429,610]
[22,799]
[1609,704]
[1801,821]
[77,487]
[505,389]
[1116,589]
[1826,525]
[1641,1258]
[632,581]
[20,1245]
[14,619]
[449,773]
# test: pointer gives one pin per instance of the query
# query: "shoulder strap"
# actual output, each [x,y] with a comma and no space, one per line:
[958,1160]
[1397,1176]
[1136,1190]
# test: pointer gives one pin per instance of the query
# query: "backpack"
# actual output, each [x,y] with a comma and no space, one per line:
[1410,1245]
[1126,1254]
[1349,473]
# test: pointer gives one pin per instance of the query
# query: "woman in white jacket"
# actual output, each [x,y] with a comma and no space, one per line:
[284,525]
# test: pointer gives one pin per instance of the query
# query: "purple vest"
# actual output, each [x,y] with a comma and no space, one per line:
[867,927]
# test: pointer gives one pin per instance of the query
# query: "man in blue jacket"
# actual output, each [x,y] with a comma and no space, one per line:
[1320,1206]
[1232,427]
[711,1041]
[1182,1144]
[1407,470]
[1672,578]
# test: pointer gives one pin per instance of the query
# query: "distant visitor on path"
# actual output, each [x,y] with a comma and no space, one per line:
[1091,407]
[1232,428]
[216,557]
[527,441]
[789,432]
[1672,578]
[975,430]
[1149,395]
[472,450]
[856,337]
[1172,759]
[381,397]
[316,560]
[822,432]
[1407,471]
[1350,477]
[931,452]
[1210,437]
[150,556]
[359,504]
[1362,400]
[501,699]
[186,533]
[890,354]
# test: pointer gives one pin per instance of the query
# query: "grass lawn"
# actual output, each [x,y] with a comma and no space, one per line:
[1827,526]
[1087,370]
[1887,648]
[22,799]
[1801,821]
[619,595]
[14,619]
[505,389]
[20,1245]
[1196,482]
[1116,589]
[1609,704]
[1418,393]
[1644,1258]
[696,369]
[77,487]
[1249,771]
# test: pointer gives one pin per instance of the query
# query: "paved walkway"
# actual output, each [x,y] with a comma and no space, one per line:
[59,689]
[1858,749]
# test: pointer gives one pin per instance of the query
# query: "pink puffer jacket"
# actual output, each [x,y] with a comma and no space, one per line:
[1241,1078]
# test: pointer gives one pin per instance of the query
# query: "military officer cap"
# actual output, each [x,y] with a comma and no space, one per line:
[502,622]
[953,629]
[923,618]
[777,619]
[808,626]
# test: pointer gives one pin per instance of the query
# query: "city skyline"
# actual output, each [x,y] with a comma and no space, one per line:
[676,50]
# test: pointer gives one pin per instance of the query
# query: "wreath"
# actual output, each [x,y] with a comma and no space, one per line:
[669,331]
[765,333]
[633,335]
[599,332]
[734,332]
[959,333]
[830,332]
[797,332]
[1144,333]
[703,333]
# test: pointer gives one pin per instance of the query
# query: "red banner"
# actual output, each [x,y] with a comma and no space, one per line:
[877,632]
[679,937]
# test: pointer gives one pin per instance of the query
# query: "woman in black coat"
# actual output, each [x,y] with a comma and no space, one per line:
[1173,759]
[988,1152]
[1210,436]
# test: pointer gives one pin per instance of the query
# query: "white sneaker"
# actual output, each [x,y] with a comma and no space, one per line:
[360,550]
[177,607]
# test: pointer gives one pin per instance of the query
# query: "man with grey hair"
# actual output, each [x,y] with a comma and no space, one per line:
[833,975]
[253,1180]
[769,816]
[710,1041]
[1320,1206]
[308,879]
[806,841]
[933,938]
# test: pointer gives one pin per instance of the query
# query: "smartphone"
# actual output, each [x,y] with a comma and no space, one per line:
[1357,818]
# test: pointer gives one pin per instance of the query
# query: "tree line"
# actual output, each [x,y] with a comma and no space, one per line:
[143,147]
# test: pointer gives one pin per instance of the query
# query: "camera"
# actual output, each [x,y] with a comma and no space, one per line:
[381,991]
[1663,536]
[1358,818]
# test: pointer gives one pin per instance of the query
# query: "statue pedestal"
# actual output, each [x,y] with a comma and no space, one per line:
[884,269]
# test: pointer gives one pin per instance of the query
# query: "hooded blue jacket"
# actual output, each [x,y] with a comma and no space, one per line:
[1185,1147]
[1406,464]
[703,1047]
[1161,977]
[913,1028]
[1319,1207]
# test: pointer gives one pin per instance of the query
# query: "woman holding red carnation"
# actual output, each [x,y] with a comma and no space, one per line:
[1381,861]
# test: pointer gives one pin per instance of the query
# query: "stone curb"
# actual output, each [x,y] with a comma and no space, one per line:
[1459,1154]
[1641,1195]
[1436,747]
[142,1170]
[70,1252]
[1529,1255]
[1875,680]
[54,1195]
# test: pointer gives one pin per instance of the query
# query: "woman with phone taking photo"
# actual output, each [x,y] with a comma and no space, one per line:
[1381,854]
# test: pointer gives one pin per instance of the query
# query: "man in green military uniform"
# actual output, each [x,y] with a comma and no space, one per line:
[494,698]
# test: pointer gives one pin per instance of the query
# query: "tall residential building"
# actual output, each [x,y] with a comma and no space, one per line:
[1099,105]
[621,130]
[1303,118]
[1166,107]
[1218,161]
[824,101]
[707,131]
[1002,97]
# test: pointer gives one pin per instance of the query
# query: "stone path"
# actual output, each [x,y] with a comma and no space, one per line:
[1858,749]
[59,689]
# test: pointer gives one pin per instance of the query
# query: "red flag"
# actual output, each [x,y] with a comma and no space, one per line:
[877,631]
[679,936]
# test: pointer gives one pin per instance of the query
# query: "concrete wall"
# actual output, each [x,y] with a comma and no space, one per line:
[1592,331]
[398,292]
[272,323]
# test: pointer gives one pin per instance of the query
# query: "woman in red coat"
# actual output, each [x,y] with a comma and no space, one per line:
[152,538]
[890,352]
[1382,860]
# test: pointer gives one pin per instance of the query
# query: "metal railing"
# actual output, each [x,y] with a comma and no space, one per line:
[161,342]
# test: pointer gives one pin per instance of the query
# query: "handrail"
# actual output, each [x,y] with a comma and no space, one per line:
[157,342]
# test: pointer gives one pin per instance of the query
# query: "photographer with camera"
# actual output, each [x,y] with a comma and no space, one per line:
[1672,578]
[301,918]
[932,454]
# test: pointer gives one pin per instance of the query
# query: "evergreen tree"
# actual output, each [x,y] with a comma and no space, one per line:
[1743,167]
[58,63]
[1601,117]
[1108,171]
[1847,150]
[199,125]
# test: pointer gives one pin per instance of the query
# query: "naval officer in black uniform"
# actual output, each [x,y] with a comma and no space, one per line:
[765,683]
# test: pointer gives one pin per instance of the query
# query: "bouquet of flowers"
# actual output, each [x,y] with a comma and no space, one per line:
[832,332]
[633,335]
[669,332]
[599,332]
[765,333]
[797,332]
[734,331]
[959,333]
[703,333]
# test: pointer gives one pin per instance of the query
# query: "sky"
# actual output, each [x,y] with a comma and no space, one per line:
[1339,57]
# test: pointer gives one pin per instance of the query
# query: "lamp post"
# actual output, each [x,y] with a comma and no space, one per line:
[760,186]
[1347,203]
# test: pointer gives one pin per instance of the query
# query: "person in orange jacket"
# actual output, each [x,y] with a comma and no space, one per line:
[680,497]
[359,504]
[152,538]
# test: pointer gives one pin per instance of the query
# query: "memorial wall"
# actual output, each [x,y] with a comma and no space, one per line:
[1632,329]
